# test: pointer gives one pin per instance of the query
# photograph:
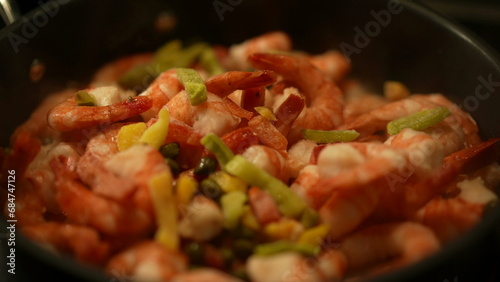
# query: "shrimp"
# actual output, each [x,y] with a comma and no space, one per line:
[147,261]
[267,133]
[270,160]
[333,63]
[299,156]
[272,41]
[69,116]
[163,88]
[204,275]
[446,216]
[83,243]
[359,101]
[203,220]
[324,99]
[82,206]
[111,72]
[396,244]
[213,116]
[226,83]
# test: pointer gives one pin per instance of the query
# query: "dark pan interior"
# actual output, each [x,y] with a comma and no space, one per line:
[415,46]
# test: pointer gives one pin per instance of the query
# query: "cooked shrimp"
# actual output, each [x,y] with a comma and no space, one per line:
[41,176]
[204,275]
[202,221]
[228,82]
[446,216]
[395,244]
[299,155]
[272,41]
[82,242]
[163,88]
[333,63]
[267,133]
[324,99]
[268,159]
[359,101]
[68,116]
[213,116]
[111,72]
[286,266]
[147,261]
[82,206]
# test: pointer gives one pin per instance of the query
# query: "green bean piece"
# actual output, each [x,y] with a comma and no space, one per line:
[232,205]
[174,166]
[209,62]
[195,253]
[322,136]
[205,166]
[193,84]
[189,54]
[418,121]
[309,218]
[170,150]
[289,203]
[215,145]
[83,98]
[286,246]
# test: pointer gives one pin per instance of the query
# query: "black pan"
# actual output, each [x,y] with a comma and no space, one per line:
[415,45]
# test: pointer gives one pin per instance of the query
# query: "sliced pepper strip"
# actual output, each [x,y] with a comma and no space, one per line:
[289,203]
[266,112]
[194,85]
[84,98]
[418,121]
[286,246]
[166,210]
[129,135]
[209,61]
[233,208]
[322,136]
[155,135]
[215,145]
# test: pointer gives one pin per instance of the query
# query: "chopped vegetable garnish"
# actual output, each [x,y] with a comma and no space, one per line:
[155,135]
[285,229]
[286,246]
[309,218]
[215,145]
[288,202]
[205,166]
[322,136]
[314,236]
[165,208]
[189,54]
[174,166]
[210,62]
[194,85]
[267,113]
[228,182]
[186,187]
[418,121]
[129,135]
[170,150]
[249,220]
[210,188]
[232,208]
[84,98]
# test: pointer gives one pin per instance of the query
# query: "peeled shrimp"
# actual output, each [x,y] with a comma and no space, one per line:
[163,88]
[69,116]
[82,242]
[272,41]
[147,261]
[324,100]
[82,206]
[268,159]
[228,82]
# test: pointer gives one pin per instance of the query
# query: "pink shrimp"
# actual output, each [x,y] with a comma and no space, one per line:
[333,63]
[381,248]
[68,116]
[271,160]
[111,72]
[272,41]
[228,82]
[324,99]
[446,216]
[82,242]
[82,206]
[299,156]
[267,133]
[147,261]
[163,88]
